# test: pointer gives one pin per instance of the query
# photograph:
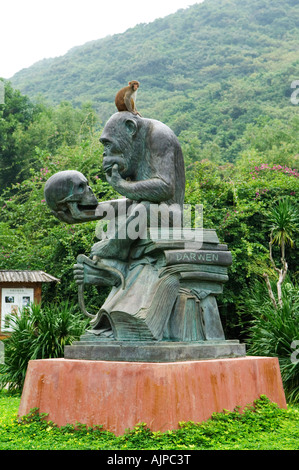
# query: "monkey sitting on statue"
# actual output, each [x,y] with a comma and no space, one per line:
[125,99]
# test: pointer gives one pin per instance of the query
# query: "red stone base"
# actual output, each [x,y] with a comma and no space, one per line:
[118,395]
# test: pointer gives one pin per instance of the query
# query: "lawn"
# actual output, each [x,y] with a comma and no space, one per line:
[260,427]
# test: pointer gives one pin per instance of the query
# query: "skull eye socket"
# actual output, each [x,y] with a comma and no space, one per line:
[81,187]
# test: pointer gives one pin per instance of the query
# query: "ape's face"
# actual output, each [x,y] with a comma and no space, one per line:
[118,139]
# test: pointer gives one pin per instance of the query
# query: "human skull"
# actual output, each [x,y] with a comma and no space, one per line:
[68,192]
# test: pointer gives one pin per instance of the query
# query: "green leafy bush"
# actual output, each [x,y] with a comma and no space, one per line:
[273,332]
[38,333]
[237,200]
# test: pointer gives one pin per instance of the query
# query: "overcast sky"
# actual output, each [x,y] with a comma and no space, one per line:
[31,30]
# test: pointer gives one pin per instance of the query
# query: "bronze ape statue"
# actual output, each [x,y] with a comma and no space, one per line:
[148,153]
[143,161]
[160,289]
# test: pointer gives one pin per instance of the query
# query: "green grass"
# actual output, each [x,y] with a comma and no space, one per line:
[263,426]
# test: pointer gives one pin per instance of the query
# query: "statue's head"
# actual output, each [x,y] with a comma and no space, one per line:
[120,138]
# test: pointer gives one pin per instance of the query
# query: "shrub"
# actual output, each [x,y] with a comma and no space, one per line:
[273,331]
[38,333]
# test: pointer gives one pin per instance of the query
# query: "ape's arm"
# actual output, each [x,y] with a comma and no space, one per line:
[153,190]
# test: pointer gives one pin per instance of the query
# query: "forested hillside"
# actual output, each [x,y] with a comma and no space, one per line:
[206,71]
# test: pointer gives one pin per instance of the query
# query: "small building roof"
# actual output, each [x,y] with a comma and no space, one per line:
[26,276]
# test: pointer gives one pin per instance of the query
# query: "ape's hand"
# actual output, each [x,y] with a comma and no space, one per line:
[114,179]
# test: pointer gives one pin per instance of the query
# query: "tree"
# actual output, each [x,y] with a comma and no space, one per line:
[283,221]
[16,113]
[26,127]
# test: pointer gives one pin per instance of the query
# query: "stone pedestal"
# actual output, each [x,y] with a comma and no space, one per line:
[152,351]
[118,395]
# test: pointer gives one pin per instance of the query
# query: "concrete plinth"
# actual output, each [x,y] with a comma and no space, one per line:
[118,395]
[153,351]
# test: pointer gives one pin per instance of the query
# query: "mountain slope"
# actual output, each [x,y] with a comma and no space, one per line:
[210,69]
